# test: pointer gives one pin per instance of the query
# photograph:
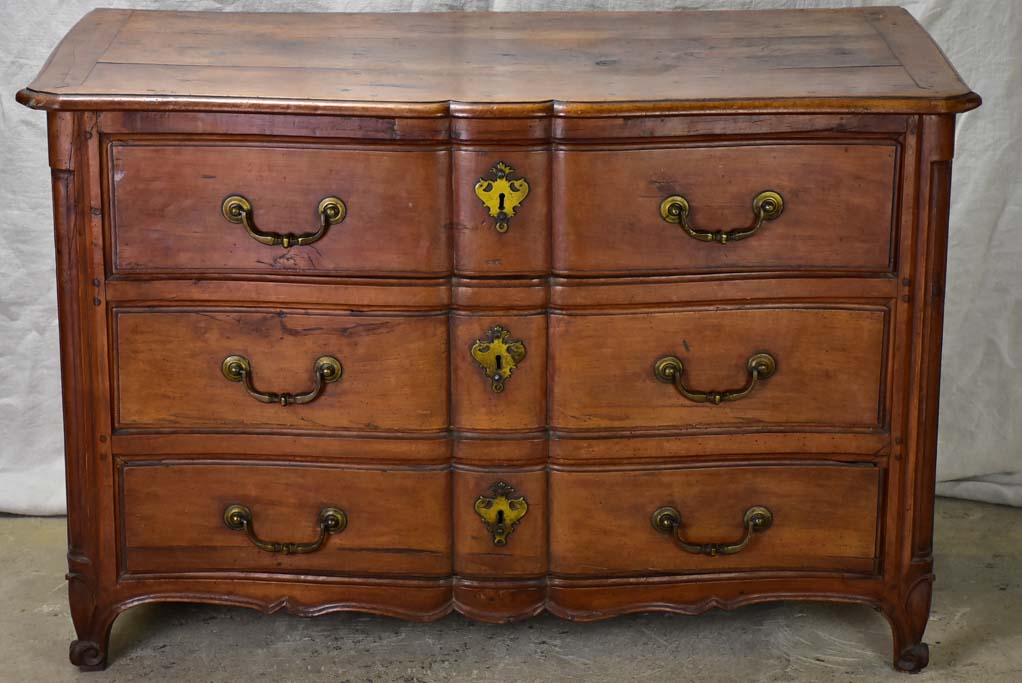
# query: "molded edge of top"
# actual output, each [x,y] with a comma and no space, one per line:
[49,101]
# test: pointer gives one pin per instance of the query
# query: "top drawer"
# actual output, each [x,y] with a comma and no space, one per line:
[836,213]
[167,209]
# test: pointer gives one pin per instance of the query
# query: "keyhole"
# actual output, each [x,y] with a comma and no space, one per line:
[500,517]
[500,362]
[500,204]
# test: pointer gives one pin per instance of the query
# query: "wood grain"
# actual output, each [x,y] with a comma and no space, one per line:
[166,208]
[829,368]
[837,215]
[814,60]
[168,370]
[525,248]
[155,117]
[173,518]
[475,555]
[825,517]
[522,404]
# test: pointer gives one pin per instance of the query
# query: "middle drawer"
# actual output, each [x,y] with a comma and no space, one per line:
[788,365]
[171,370]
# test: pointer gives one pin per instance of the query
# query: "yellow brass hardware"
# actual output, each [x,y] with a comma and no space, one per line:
[237,209]
[326,370]
[500,512]
[331,521]
[498,356]
[667,520]
[669,369]
[767,206]
[502,194]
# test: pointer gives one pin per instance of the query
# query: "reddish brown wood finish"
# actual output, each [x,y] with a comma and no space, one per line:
[475,554]
[849,113]
[825,518]
[167,370]
[166,199]
[172,518]
[478,248]
[837,214]
[829,368]
[874,59]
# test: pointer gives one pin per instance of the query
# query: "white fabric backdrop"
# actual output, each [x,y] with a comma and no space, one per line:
[981,401]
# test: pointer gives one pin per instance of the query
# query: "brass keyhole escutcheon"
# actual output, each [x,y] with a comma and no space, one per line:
[498,356]
[501,195]
[501,511]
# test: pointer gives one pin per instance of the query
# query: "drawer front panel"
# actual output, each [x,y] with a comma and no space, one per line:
[169,369]
[173,518]
[837,208]
[822,517]
[829,368]
[167,205]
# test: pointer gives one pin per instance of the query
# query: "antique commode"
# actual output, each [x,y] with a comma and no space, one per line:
[587,313]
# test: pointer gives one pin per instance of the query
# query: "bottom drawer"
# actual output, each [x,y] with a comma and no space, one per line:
[389,521]
[820,517]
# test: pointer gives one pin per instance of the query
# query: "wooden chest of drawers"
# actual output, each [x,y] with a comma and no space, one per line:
[587,313]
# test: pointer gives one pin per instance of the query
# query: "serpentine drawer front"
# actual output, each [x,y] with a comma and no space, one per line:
[176,518]
[170,210]
[172,370]
[819,517]
[792,207]
[500,320]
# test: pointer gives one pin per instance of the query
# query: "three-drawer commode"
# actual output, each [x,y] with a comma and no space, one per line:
[500,313]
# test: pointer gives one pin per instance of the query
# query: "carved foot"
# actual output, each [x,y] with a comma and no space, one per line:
[908,622]
[913,659]
[87,655]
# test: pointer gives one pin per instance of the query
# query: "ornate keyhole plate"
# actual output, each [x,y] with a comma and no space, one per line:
[502,194]
[498,356]
[500,511]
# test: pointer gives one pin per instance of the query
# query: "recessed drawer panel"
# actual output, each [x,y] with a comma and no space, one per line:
[743,367]
[247,369]
[169,214]
[713,519]
[833,209]
[244,516]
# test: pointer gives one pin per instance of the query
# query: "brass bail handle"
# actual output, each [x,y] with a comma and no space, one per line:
[667,520]
[670,369]
[332,520]
[238,209]
[766,206]
[326,370]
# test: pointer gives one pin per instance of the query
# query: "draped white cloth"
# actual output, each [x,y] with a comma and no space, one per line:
[980,446]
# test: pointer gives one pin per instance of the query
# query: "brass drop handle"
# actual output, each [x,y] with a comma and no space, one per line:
[331,521]
[667,520]
[670,369]
[238,209]
[326,370]
[766,206]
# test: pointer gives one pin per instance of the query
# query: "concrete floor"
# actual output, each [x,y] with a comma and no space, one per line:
[975,631]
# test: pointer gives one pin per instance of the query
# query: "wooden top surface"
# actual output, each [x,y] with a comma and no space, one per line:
[501,64]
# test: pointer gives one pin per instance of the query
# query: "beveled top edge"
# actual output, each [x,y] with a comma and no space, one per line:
[487,110]
[856,60]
